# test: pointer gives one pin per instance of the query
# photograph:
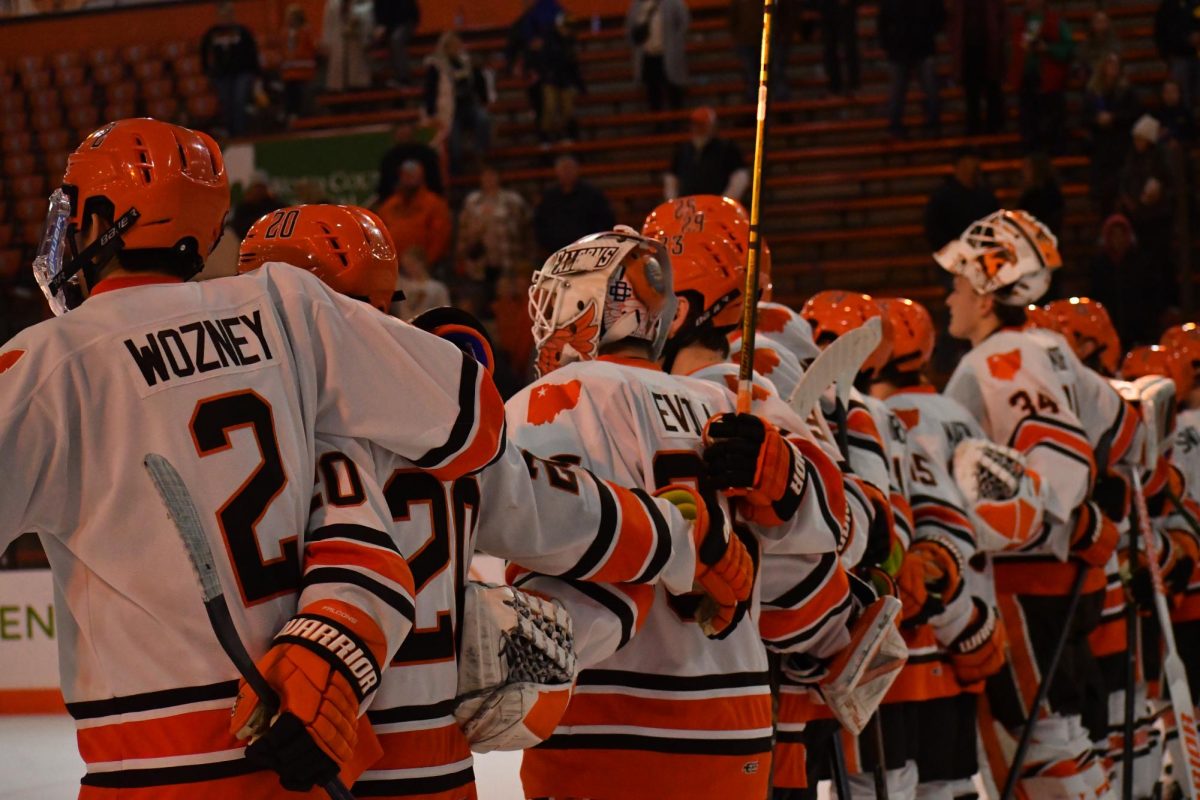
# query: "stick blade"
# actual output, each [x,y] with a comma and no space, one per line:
[838,364]
[1186,749]
[182,511]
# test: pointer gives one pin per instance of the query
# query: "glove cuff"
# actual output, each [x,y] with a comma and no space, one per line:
[1094,536]
[338,644]
[979,630]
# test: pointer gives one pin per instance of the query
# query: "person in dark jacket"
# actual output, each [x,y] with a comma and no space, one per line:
[1175,118]
[229,54]
[1041,49]
[839,35]
[1177,34]
[571,209]
[399,20]
[706,163]
[1110,107]
[907,33]
[1040,191]
[1123,279]
[958,202]
[976,30]
[1148,193]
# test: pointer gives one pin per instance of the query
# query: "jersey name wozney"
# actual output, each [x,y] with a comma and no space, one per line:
[200,346]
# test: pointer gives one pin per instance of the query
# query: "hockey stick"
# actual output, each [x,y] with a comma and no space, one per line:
[1014,769]
[1186,748]
[745,393]
[1131,656]
[182,510]
[838,364]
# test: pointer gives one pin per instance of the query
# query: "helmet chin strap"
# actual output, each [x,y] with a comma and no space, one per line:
[93,257]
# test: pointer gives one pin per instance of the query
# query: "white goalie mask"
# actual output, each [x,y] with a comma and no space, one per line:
[599,290]
[1009,253]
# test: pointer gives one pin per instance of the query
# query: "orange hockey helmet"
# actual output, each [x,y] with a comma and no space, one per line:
[347,247]
[1185,340]
[912,333]
[1157,360]
[1039,317]
[834,312]
[705,216]
[1089,330]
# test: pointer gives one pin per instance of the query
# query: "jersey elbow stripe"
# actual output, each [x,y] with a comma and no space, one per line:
[606,534]
[822,573]
[662,539]
[353,533]
[791,636]
[477,436]
[1033,432]
[326,576]
[386,565]
[621,607]
[634,546]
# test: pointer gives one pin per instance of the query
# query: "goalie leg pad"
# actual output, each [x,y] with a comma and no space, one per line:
[516,669]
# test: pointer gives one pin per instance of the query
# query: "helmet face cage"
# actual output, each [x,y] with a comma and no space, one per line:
[599,290]
[1008,253]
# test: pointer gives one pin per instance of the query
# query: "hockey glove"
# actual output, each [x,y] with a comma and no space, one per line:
[930,575]
[1095,536]
[980,650]
[882,542]
[750,459]
[1113,495]
[724,569]
[324,665]
[1185,555]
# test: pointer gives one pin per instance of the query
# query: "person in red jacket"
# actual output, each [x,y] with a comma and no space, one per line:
[416,216]
[1041,54]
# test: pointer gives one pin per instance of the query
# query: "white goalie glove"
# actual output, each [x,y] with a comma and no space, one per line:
[516,669]
[1004,498]
[1154,398]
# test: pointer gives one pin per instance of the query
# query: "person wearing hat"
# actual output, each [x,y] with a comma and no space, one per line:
[706,163]
[1147,194]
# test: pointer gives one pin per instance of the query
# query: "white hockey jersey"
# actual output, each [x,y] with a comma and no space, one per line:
[232,380]
[673,713]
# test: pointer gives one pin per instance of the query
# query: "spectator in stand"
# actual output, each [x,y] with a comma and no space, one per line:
[907,33]
[1110,106]
[561,81]
[514,336]
[1041,58]
[524,50]
[706,163]
[1041,194]
[1100,42]
[299,67]
[229,53]
[493,232]
[1177,121]
[657,29]
[745,23]
[257,201]
[571,209]
[412,144]
[1147,195]
[397,21]
[839,35]
[421,291]
[344,38]
[457,96]
[416,216]
[1177,34]
[1127,284]
[959,201]
[976,31]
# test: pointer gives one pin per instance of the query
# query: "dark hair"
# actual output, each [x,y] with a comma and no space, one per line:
[1009,316]
[901,380]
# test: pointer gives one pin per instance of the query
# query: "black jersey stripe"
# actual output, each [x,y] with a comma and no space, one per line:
[658,744]
[618,606]
[460,433]
[404,787]
[605,534]
[662,539]
[387,594]
[167,776]
[150,701]
[355,533]
[671,683]
[383,716]
[805,588]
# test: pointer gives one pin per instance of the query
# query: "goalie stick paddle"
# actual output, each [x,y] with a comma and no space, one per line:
[182,511]
[838,364]
[1185,750]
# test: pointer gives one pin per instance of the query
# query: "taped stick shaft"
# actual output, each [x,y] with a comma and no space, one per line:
[745,394]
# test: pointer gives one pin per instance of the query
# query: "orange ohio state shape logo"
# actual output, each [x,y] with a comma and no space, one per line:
[9,358]
[1005,366]
[549,400]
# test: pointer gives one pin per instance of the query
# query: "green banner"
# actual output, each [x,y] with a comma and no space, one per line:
[330,168]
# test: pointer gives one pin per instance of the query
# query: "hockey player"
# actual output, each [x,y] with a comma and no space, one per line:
[232,380]
[673,714]
[552,517]
[1020,388]
[964,632]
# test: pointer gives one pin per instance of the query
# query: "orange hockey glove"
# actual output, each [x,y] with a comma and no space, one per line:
[324,664]
[930,574]
[1095,536]
[750,459]
[981,649]
[724,569]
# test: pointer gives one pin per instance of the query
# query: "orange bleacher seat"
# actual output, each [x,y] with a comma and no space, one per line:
[166,108]
[69,76]
[158,89]
[123,92]
[187,65]
[105,74]
[202,107]
[55,140]
[16,142]
[74,97]
[29,186]
[177,49]
[121,110]
[31,63]
[56,162]
[84,118]
[270,58]
[31,232]
[46,100]
[36,81]
[6,237]
[31,209]
[136,52]
[7,81]
[13,122]
[194,85]
[18,164]
[101,55]
[148,70]
[12,103]
[47,119]
[67,60]
[10,262]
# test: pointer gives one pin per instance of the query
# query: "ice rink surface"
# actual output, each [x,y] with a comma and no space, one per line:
[38,761]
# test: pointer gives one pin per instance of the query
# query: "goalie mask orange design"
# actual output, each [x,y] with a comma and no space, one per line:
[1088,328]
[576,339]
